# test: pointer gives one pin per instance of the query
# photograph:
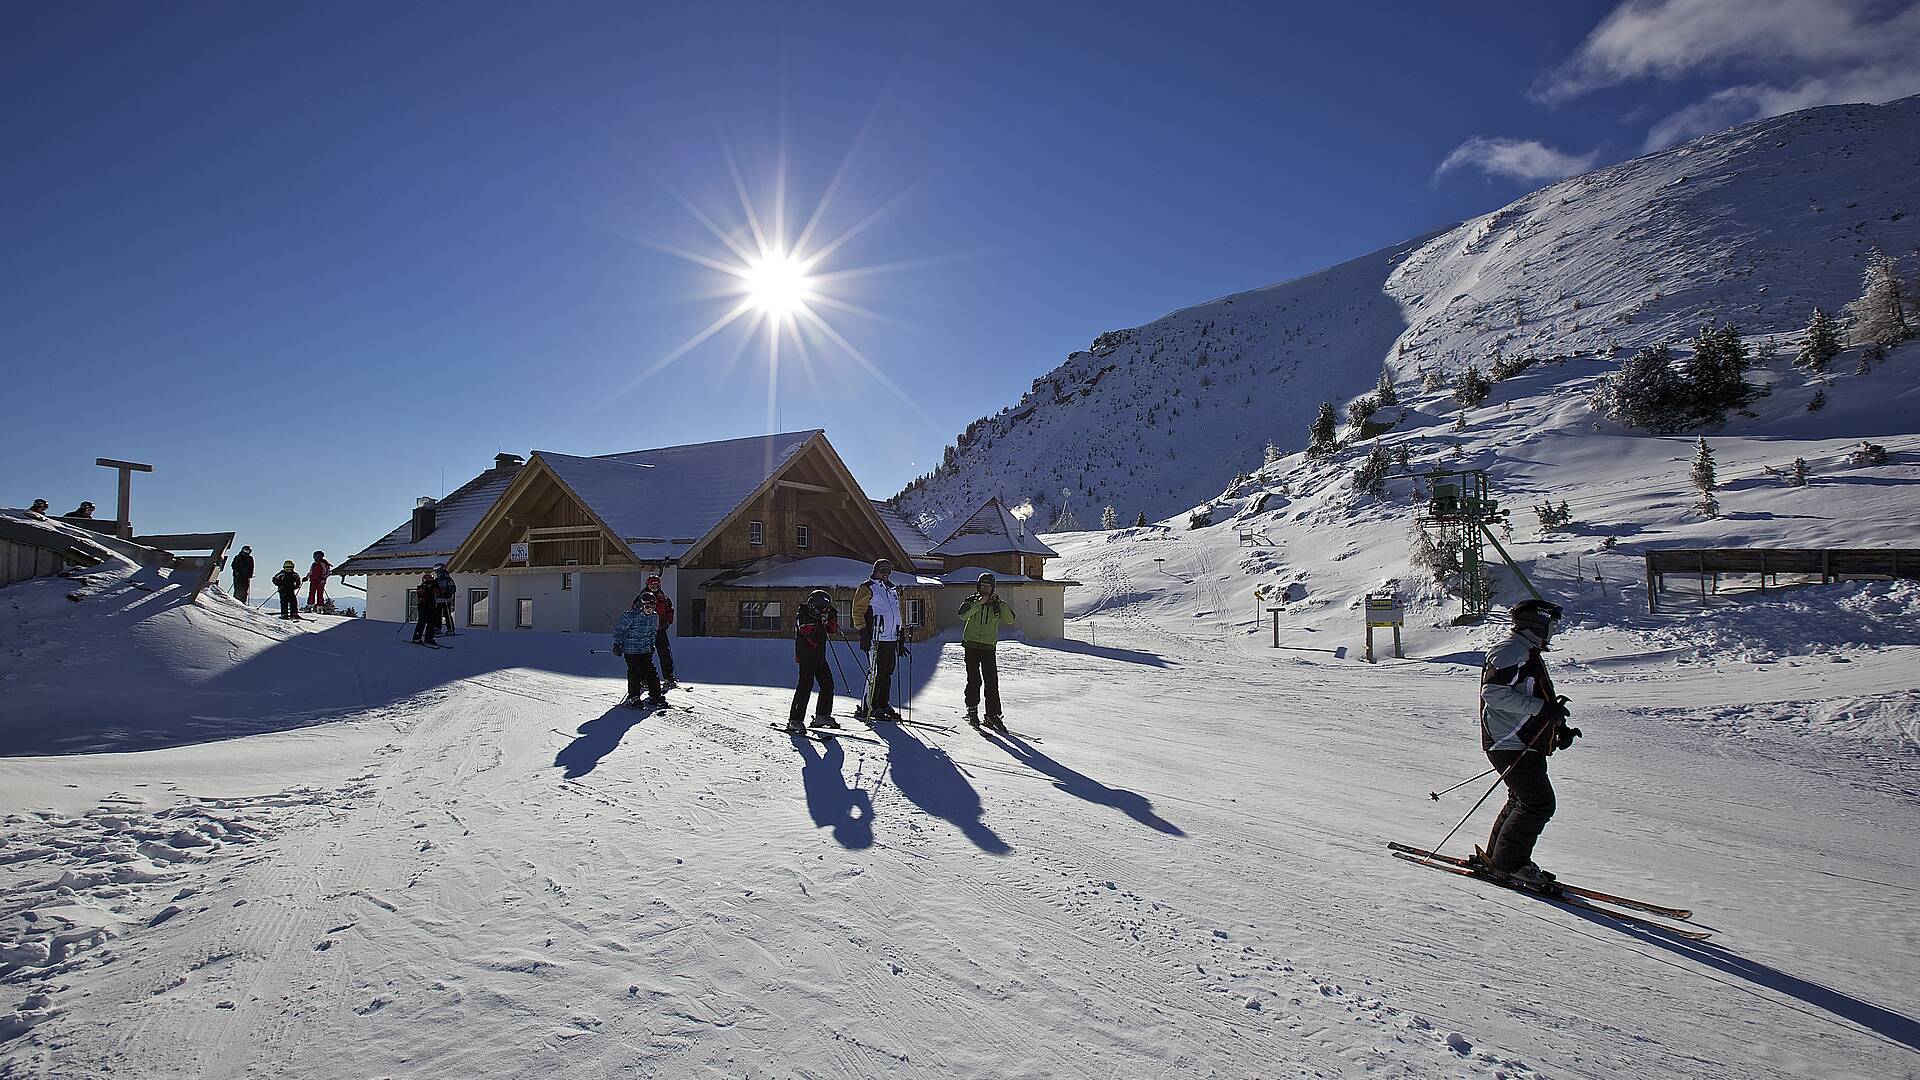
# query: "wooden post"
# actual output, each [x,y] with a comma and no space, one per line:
[1653,589]
[1369,643]
[123,515]
[1397,654]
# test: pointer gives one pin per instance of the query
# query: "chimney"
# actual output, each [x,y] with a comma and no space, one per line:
[424,510]
[506,461]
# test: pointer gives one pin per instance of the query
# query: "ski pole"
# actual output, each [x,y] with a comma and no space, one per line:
[1498,780]
[1435,795]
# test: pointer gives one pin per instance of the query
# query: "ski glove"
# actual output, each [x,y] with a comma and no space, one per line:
[1553,713]
[1564,737]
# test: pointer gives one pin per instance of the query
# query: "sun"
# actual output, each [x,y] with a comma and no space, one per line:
[777,284]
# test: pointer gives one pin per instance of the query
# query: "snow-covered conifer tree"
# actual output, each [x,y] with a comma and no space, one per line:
[1109,519]
[1797,476]
[1821,344]
[1703,479]
[1370,476]
[1646,392]
[1323,435]
[1716,380]
[1880,315]
[1360,410]
[1141,521]
[1384,394]
[1272,455]
[1470,387]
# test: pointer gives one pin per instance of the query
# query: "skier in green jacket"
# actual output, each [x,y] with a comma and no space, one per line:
[981,617]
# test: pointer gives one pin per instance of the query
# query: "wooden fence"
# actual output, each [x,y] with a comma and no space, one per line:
[1827,564]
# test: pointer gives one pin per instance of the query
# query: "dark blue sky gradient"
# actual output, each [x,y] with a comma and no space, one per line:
[303,260]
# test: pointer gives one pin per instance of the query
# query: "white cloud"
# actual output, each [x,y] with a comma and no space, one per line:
[1526,160]
[1791,54]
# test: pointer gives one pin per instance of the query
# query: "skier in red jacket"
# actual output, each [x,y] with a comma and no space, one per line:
[662,606]
[317,581]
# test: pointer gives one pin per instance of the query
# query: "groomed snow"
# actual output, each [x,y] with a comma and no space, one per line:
[466,863]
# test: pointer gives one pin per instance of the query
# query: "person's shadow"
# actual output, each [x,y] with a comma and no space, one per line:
[598,738]
[931,781]
[1078,784]
[833,802]
[1841,1008]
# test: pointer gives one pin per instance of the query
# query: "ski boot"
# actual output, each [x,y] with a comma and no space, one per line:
[671,683]
[825,720]
[973,716]
[658,701]
[795,727]
[996,724]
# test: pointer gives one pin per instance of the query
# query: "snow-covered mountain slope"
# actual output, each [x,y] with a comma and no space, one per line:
[1752,226]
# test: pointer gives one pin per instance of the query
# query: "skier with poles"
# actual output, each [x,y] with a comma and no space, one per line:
[813,628]
[444,593]
[981,617]
[877,611]
[663,607]
[288,582]
[317,581]
[426,602]
[243,573]
[1522,721]
[634,637]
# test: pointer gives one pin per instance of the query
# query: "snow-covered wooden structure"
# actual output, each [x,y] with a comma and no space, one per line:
[738,530]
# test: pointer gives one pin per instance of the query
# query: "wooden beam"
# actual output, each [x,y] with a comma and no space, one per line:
[796,485]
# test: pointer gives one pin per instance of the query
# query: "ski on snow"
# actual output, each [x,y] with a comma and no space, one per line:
[821,735]
[1662,910]
[1565,900]
[982,729]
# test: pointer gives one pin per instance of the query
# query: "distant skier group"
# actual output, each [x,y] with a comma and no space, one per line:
[877,611]
[286,582]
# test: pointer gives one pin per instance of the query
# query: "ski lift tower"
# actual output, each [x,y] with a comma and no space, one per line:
[1462,512]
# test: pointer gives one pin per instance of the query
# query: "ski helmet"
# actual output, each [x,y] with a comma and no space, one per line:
[882,566]
[319,554]
[986,579]
[820,597]
[1537,616]
[288,564]
[653,581]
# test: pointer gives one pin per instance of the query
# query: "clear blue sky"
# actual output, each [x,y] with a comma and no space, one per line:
[308,260]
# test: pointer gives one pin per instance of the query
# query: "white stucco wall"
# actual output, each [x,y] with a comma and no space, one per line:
[1041,623]
[386,598]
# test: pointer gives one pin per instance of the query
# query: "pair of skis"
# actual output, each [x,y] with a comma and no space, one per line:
[823,734]
[1572,896]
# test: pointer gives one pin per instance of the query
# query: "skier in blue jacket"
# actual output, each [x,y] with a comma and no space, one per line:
[634,637]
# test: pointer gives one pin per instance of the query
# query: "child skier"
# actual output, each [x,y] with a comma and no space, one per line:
[1521,722]
[634,638]
[981,617]
[813,628]
[317,581]
[426,603]
[288,582]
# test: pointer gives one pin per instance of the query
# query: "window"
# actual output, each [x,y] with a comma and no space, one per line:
[916,612]
[413,605]
[523,614]
[566,582]
[759,616]
[1039,605]
[756,533]
[843,610]
[476,607]
[802,536]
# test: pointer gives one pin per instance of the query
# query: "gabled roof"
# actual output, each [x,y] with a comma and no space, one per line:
[818,572]
[911,538]
[454,519]
[661,502]
[991,530]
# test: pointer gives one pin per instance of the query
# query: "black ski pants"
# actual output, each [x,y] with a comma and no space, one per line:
[240,586]
[428,624]
[880,679]
[814,671]
[289,604]
[1529,807]
[982,667]
[641,676]
[665,651]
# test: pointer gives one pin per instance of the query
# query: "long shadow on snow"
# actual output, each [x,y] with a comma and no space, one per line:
[1839,1005]
[931,781]
[598,738]
[1130,656]
[1080,785]
[834,803]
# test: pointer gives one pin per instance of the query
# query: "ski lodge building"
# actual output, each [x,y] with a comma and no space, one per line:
[740,531]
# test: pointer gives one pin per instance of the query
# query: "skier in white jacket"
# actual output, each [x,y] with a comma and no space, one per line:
[878,611]
[1521,722]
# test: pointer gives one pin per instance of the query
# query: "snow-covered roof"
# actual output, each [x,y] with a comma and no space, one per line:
[819,572]
[454,519]
[912,540]
[991,530]
[661,502]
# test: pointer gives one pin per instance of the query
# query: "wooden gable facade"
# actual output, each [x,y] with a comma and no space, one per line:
[560,530]
[811,507]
